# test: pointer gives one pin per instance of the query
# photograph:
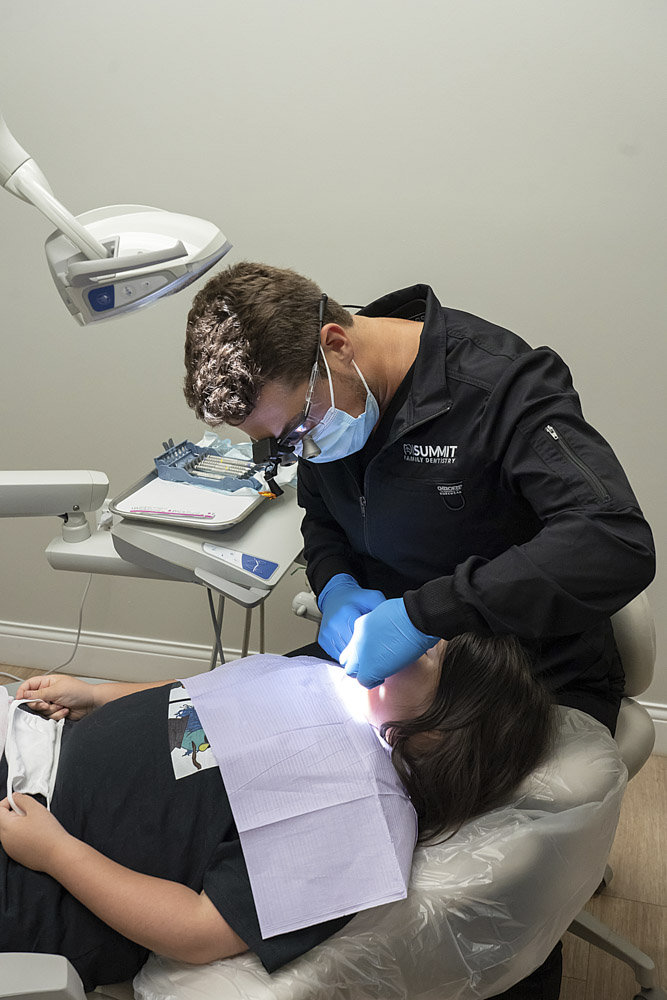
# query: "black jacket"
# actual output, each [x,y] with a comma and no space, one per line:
[487,502]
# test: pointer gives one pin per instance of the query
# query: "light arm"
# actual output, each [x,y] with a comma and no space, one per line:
[20,175]
[12,155]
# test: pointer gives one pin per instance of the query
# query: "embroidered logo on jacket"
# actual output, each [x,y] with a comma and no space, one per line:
[430,454]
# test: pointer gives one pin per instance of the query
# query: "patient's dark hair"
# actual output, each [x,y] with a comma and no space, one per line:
[490,724]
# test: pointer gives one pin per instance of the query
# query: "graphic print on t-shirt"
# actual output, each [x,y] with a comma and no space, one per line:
[190,750]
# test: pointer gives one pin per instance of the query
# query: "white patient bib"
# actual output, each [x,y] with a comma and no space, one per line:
[325,825]
[32,749]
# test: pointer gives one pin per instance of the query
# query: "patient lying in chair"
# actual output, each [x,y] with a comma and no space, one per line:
[140,852]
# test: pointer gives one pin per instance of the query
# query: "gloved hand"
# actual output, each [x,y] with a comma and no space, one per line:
[341,602]
[383,642]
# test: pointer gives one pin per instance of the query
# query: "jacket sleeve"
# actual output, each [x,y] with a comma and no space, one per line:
[594,551]
[326,548]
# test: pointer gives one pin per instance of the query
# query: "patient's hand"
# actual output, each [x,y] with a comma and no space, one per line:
[59,697]
[30,839]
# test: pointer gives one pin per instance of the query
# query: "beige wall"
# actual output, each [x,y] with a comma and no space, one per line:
[511,154]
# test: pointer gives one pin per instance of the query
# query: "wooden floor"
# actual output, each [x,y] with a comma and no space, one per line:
[634,905]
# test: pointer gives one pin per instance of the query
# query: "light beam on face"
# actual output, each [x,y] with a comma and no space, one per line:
[351,693]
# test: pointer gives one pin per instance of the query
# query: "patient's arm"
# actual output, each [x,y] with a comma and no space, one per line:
[402,696]
[164,916]
[59,697]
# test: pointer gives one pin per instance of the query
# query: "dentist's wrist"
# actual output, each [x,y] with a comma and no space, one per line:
[411,631]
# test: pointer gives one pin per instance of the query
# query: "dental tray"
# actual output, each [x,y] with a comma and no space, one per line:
[204,467]
[159,500]
[195,487]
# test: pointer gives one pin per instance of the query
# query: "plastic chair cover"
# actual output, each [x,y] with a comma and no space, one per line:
[484,909]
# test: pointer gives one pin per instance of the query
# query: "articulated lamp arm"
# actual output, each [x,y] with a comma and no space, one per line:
[20,175]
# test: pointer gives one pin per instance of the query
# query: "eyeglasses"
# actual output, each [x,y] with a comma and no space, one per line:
[304,423]
[270,452]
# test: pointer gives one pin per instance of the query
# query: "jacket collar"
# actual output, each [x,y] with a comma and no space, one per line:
[428,396]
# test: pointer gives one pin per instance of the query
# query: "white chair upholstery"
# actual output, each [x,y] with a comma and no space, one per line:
[634,631]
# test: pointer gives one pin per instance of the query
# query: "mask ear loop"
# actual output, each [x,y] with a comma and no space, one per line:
[333,404]
[362,377]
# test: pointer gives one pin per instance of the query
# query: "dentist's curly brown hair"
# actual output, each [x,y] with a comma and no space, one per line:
[249,325]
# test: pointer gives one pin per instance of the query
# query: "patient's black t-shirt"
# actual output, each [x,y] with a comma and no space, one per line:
[136,781]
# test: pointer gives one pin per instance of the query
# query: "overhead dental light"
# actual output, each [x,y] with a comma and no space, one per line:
[111,260]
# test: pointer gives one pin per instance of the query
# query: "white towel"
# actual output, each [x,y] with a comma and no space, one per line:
[32,749]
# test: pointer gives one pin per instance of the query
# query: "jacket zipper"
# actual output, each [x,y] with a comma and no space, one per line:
[583,468]
[362,504]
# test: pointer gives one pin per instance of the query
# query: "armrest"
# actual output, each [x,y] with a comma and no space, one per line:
[635,735]
[24,976]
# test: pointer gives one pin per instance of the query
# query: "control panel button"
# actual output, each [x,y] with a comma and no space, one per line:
[262,568]
[101,299]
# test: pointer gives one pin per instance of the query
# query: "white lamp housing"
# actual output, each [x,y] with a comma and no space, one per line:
[111,260]
[154,253]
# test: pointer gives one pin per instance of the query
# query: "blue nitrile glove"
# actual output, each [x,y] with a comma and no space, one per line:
[341,602]
[383,642]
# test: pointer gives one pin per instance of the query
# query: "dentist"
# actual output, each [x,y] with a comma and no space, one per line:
[449,480]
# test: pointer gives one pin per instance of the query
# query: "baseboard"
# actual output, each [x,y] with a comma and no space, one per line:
[100,654]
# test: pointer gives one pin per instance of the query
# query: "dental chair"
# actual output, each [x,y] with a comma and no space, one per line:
[456,936]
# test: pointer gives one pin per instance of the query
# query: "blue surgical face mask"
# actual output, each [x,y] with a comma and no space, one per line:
[339,434]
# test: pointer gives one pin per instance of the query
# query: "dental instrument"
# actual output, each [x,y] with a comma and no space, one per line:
[187,463]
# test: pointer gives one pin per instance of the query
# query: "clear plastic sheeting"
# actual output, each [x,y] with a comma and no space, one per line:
[484,909]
